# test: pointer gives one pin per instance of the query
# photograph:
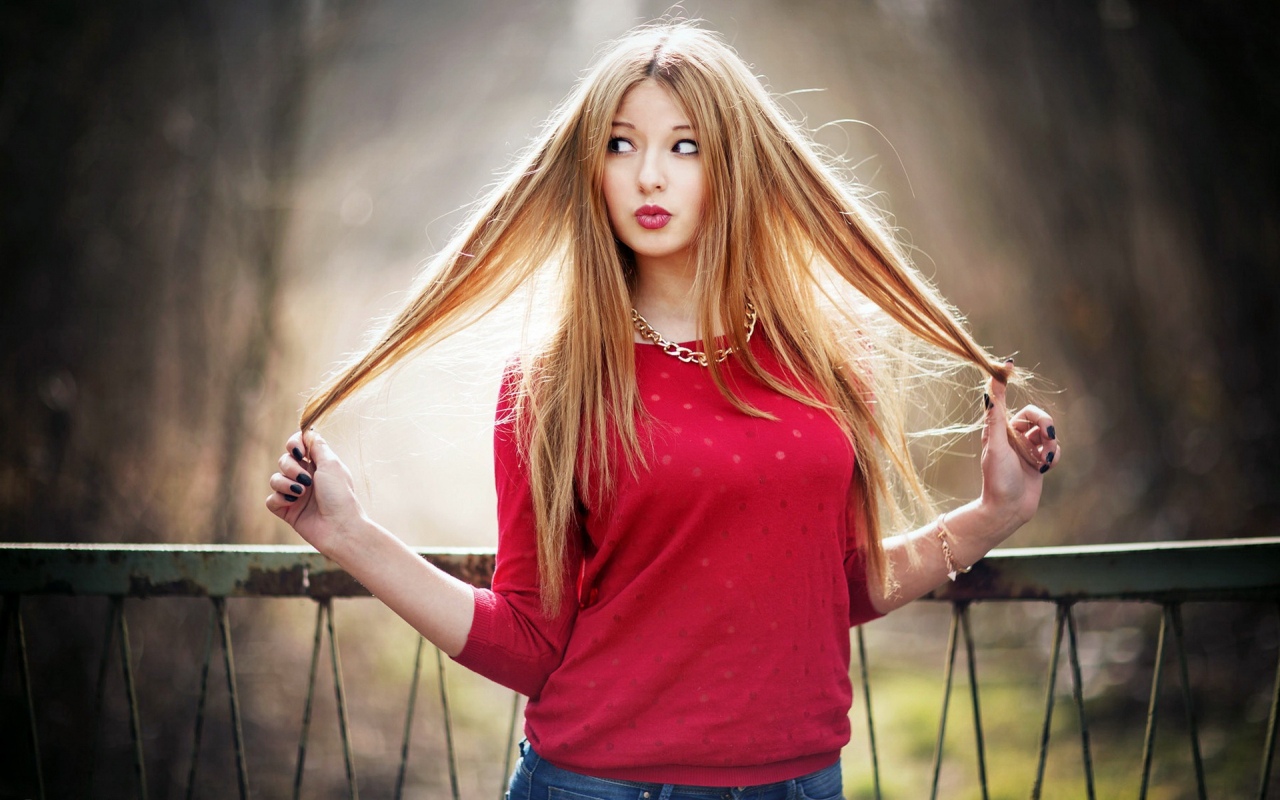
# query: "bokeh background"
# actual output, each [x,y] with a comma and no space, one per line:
[205,206]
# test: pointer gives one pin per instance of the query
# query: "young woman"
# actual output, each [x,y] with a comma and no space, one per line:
[694,468]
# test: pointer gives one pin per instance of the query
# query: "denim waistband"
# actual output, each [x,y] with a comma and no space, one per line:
[539,779]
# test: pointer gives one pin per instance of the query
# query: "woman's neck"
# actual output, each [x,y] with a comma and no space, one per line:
[664,296]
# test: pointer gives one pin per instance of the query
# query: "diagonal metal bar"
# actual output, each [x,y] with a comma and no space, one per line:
[1077,691]
[311,694]
[866,699]
[408,719]
[204,695]
[980,740]
[511,743]
[1269,747]
[16,611]
[1059,620]
[1174,611]
[1149,740]
[114,608]
[135,724]
[237,727]
[946,698]
[353,789]
[448,726]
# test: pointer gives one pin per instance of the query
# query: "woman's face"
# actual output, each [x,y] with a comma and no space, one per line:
[653,181]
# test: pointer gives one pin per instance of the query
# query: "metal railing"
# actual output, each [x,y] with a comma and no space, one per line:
[1167,573]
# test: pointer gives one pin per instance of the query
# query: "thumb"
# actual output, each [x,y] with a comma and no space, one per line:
[998,417]
[996,409]
[318,449]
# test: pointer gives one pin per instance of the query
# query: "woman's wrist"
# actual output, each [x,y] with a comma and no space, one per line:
[352,538]
[977,527]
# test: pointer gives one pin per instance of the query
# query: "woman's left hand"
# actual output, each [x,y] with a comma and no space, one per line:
[1016,453]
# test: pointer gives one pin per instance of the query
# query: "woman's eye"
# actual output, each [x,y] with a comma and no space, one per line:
[686,147]
[620,145]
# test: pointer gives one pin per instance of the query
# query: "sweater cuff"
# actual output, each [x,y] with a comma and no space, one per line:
[481,625]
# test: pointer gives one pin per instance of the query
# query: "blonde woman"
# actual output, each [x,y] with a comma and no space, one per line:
[694,468]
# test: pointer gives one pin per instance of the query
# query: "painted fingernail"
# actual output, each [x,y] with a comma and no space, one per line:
[1044,469]
[290,498]
[1052,435]
[1008,360]
[986,400]
[1049,458]
[296,489]
[304,479]
[297,454]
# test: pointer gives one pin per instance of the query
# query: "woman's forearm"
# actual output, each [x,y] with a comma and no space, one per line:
[976,528]
[436,604]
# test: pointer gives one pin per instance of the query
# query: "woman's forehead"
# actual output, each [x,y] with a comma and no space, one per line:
[649,104]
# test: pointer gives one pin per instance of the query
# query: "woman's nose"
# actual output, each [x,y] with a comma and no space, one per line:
[652,177]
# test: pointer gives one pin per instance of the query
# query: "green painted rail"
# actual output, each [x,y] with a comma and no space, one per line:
[1165,573]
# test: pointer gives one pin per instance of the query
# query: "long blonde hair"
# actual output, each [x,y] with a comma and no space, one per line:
[780,228]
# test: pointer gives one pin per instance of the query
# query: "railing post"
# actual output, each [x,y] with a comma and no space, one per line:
[946,698]
[1045,727]
[13,612]
[135,723]
[973,692]
[200,703]
[408,717]
[511,741]
[866,698]
[448,726]
[1273,722]
[311,694]
[1148,741]
[113,610]
[340,691]
[1174,610]
[1077,691]
[237,728]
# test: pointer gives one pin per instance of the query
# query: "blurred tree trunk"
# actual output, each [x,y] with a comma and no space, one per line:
[146,175]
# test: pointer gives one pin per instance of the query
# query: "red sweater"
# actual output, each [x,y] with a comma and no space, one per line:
[707,640]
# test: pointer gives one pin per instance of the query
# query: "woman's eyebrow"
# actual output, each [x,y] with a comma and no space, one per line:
[617,123]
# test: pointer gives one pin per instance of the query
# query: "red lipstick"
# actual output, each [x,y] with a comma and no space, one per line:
[652,217]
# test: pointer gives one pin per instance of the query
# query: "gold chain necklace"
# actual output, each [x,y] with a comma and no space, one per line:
[680,351]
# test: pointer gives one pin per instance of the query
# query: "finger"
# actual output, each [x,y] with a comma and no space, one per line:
[1053,457]
[277,505]
[292,469]
[1041,433]
[1038,417]
[288,488]
[998,414]
[296,447]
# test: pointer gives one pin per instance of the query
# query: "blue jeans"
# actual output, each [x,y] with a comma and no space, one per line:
[535,778]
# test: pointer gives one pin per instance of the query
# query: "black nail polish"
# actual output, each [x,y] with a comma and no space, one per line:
[295,488]
[1052,435]
[1049,458]
[986,400]
[297,454]
[1008,360]
[1044,469]
[304,479]
[290,498]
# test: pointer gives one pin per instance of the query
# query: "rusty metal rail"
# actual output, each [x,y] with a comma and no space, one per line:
[1166,573]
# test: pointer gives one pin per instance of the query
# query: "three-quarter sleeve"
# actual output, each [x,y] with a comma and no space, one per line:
[511,641]
[855,562]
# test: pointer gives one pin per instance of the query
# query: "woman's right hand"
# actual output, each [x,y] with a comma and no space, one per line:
[326,508]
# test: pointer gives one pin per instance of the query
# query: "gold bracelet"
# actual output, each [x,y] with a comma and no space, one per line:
[943,532]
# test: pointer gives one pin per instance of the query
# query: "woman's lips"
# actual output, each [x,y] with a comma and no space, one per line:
[652,217]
